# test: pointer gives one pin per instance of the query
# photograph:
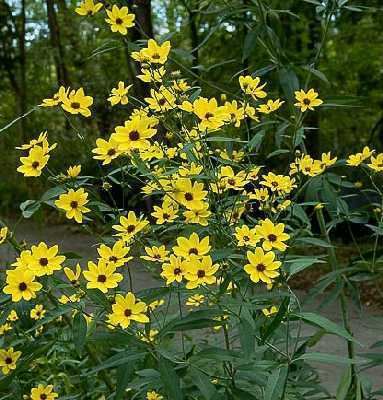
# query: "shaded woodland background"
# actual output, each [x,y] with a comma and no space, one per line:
[44,44]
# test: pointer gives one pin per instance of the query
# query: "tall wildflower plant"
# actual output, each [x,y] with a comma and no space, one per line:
[221,232]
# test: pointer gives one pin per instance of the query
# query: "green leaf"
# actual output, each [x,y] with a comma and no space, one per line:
[289,82]
[256,140]
[276,383]
[123,357]
[170,379]
[79,330]
[344,385]
[202,382]
[246,337]
[123,377]
[328,359]
[29,207]
[277,320]
[299,264]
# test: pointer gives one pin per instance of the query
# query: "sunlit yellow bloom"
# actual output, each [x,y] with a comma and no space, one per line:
[8,360]
[119,94]
[280,183]
[88,7]
[153,395]
[155,253]
[115,256]
[355,160]
[38,312]
[3,234]
[327,161]
[74,298]
[33,164]
[263,266]
[192,246]
[309,166]
[166,213]
[236,113]
[56,99]
[21,284]
[44,260]
[73,276]
[246,236]
[307,100]
[161,100]
[270,106]
[189,194]
[174,270]
[152,75]
[268,312]
[252,86]
[4,328]
[127,309]
[130,226]
[377,163]
[119,19]
[43,392]
[77,103]
[180,85]
[148,338]
[195,301]
[190,170]
[261,195]
[153,53]
[200,217]
[273,235]
[12,316]
[73,203]
[106,150]
[33,142]
[200,271]
[74,171]
[156,303]
[102,276]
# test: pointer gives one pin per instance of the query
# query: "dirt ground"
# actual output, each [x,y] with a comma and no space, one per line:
[367,325]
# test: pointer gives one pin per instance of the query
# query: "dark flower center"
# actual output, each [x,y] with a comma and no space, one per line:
[246,238]
[177,271]
[162,102]
[231,181]
[201,273]
[119,21]
[134,135]
[73,204]
[113,259]
[8,360]
[127,313]
[188,196]
[23,286]
[101,278]
[166,216]
[111,152]
[131,228]
[156,56]
[306,101]
[193,250]
[43,262]
[43,396]
[272,237]
[75,105]
[209,115]
[260,267]
[35,164]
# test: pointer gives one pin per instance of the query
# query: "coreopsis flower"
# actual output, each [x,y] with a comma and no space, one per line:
[33,164]
[73,276]
[153,395]
[327,161]
[166,213]
[236,112]
[120,19]
[119,94]
[148,337]
[159,254]
[43,136]
[273,235]
[189,170]
[354,160]
[200,217]
[174,270]
[56,99]
[154,53]
[189,194]
[246,236]
[12,316]
[229,180]
[88,7]
[73,203]
[106,150]
[155,304]
[74,298]
[21,284]
[180,85]
[126,309]
[135,133]
[102,276]
[200,271]
[130,226]
[115,256]
[192,246]
[38,312]
[8,360]
[268,312]
[252,87]
[233,216]
[73,171]
[261,194]
[4,328]
[309,166]
[161,100]
[43,392]
[76,102]
[377,163]
[44,260]
[149,75]
[270,106]
[3,234]
[262,265]
[307,100]
[279,183]
[195,301]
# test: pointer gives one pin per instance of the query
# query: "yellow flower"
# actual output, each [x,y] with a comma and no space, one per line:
[102,276]
[252,86]
[12,316]
[5,328]
[43,392]
[174,270]
[120,19]
[181,85]
[268,312]
[73,203]
[246,236]
[148,338]
[307,100]
[74,171]
[262,266]
[152,75]
[33,164]
[195,301]
[200,217]
[3,234]
[261,195]
[106,150]
[309,166]
[153,395]
[211,115]
[161,100]
[154,53]
[73,277]
[192,246]
[159,254]
[115,256]
[119,94]
[130,226]
[280,183]
[273,235]
[77,103]
[327,161]
[135,133]
[377,163]
[236,113]
[166,213]
[127,309]
[270,106]
[21,284]
[189,194]
[156,303]
[74,298]
[88,7]
[44,260]
[200,271]
[38,312]
[8,360]
[56,99]
[33,142]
